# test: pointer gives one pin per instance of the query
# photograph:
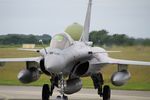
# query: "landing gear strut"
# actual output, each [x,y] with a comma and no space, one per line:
[98,81]
[62,86]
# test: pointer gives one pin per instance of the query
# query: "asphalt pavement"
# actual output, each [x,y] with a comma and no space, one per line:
[34,93]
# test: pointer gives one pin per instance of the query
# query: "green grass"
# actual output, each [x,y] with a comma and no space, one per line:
[140,79]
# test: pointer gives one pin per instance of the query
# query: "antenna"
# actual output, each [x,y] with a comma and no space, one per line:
[41,41]
[85,34]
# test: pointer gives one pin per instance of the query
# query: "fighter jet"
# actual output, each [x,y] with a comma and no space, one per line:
[65,61]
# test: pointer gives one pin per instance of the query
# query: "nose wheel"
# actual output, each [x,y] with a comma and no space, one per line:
[62,97]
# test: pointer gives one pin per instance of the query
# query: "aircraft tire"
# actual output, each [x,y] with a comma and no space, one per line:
[106,92]
[45,92]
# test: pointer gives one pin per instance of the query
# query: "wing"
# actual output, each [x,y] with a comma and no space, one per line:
[105,51]
[123,62]
[36,59]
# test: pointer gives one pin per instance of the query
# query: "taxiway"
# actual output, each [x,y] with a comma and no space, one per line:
[34,93]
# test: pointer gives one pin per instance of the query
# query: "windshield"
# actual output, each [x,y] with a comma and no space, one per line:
[60,41]
[59,38]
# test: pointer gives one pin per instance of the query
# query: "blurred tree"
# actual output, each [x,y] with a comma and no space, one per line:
[103,38]
[99,37]
[20,39]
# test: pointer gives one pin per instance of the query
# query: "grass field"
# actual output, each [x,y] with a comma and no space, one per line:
[140,79]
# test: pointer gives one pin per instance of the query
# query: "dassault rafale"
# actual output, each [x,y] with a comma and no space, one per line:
[65,61]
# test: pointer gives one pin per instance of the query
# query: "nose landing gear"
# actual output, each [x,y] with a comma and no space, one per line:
[61,86]
[57,81]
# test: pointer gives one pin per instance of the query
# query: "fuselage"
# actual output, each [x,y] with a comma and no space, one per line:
[57,60]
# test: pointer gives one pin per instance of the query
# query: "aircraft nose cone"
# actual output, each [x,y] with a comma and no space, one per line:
[54,63]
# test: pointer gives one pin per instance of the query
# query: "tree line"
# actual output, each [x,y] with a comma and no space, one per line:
[99,38]
[103,38]
[12,39]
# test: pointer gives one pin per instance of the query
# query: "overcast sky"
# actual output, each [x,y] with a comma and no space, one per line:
[131,17]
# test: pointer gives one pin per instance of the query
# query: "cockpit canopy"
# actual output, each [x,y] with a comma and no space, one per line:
[60,41]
